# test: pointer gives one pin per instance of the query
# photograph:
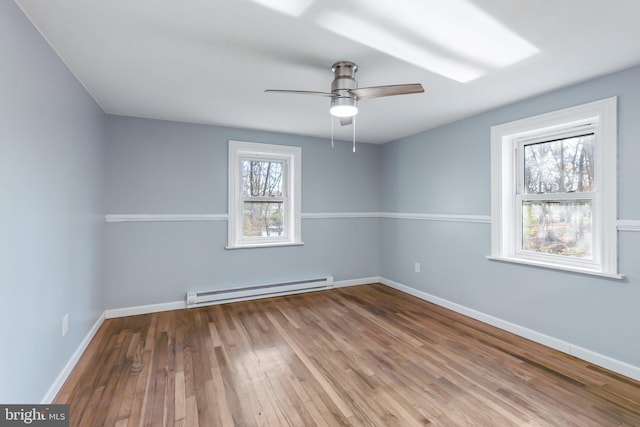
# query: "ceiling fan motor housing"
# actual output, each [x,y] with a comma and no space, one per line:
[344,72]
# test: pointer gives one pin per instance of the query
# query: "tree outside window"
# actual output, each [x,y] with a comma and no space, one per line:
[556,169]
[262,191]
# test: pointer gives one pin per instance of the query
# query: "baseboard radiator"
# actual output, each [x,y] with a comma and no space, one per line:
[264,290]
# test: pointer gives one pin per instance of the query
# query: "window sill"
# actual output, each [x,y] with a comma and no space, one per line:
[556,267]
[264,245]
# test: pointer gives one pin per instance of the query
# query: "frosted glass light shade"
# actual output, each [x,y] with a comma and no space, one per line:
[343,110]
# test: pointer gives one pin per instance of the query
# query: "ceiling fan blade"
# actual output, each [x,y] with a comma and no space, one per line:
[345,121]
[390,90]
[300,92]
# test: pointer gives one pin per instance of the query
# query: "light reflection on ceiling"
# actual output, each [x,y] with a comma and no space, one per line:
[293,8]
[451,38]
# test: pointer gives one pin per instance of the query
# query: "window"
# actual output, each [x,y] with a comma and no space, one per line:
[264,195]
[553,189]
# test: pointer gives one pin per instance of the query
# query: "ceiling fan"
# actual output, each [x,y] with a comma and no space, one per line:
[345,93]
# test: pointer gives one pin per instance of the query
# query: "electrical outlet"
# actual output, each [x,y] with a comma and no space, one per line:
[417,267]
[65,324]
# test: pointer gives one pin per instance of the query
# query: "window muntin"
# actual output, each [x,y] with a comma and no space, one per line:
[264,195]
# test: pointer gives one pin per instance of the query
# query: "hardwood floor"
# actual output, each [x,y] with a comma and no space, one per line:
[365,355]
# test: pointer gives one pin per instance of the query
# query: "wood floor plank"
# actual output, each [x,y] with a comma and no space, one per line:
[192,419]
[358,356]
[313,369]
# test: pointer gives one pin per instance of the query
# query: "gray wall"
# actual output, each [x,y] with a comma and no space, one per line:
[160,167]
[447,171]
[51,223]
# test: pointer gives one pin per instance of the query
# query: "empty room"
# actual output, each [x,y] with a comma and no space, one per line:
[305,212]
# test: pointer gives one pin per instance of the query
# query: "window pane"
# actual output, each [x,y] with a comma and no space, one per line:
[561,228]
[263,219]
[262,178]
[560,166]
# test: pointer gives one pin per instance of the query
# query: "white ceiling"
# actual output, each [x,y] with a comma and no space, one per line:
[209,61]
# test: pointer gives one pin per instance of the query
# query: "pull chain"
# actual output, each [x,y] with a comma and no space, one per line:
[332,145]
[354,133]
[353,125]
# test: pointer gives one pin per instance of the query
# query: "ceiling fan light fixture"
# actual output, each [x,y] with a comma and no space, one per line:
[343,110]
[343,106]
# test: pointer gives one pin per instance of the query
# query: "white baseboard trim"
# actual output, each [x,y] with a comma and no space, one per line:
[590,356]
[66,371]
[356,282]
[178,305]
[144,309]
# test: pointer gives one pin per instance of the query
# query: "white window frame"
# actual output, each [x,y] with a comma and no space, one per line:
[507,140]
[292,176]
